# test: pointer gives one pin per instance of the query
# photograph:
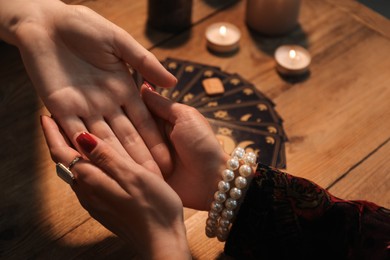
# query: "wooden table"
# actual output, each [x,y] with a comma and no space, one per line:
[337,120]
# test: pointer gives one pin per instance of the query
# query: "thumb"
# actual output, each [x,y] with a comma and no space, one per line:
[142,60]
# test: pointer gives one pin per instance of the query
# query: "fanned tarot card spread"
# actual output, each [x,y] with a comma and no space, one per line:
[239,114]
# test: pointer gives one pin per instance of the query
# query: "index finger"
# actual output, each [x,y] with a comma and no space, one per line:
[142,60]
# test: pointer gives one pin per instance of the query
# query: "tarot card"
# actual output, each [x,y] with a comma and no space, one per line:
[174,66]
[258,111]
[271,128]
[231,85]
[195,87]
[266,146]
[238,96]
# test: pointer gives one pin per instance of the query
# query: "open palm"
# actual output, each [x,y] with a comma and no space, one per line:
[78,62]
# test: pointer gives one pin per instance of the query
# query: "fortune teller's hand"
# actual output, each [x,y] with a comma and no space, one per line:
[198,156]
[131,201]
[78,62]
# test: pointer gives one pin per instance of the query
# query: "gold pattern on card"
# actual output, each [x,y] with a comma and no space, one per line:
[175,93]
[248,147]
[235,81]
[208,73]
[227,143]
[225,131]
[262,107]
[238,101]
[189,68]
[172,65]
[247,91]
[224,136]
[270,140]
[244,144]
[212,104]
[245,117]
[188,97]
[165,92]
[222,114]
[272,130]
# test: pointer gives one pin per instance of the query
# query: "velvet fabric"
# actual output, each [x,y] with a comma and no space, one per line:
[287,217]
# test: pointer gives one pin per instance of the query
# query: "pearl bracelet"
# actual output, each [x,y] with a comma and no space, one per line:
[226,199]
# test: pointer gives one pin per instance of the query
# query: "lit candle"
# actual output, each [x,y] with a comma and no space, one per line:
[223,37]
[292,59]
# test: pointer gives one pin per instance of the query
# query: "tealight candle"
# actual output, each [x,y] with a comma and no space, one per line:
[223,37]
[292,59]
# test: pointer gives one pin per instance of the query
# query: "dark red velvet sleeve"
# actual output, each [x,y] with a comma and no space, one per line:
[287,217]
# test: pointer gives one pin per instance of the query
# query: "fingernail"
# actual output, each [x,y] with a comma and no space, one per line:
[149,86]
[86,141]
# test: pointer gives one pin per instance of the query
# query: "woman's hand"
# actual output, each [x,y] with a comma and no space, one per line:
[197,155]
[78,62]
[131,201]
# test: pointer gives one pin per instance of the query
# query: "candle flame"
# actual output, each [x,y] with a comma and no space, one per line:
[292,54]
[222,30]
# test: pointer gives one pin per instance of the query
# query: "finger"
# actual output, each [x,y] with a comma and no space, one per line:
[58,147]
[147,128]
[162,107]
[98,126]
[71,125]
[142,60]
[127,174]
[132,141]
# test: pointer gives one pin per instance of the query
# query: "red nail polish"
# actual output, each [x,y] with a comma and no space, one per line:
[86,141]
[149,86]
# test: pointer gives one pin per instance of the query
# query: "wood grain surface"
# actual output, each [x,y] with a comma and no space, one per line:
[337,120]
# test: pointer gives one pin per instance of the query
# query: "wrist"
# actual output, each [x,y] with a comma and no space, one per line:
[231,190]
[216,178]
[169,244]
[17,14]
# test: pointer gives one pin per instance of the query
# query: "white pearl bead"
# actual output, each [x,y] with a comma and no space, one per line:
[227,175]
[235,193]
[240,182]
[233,163]
[245,170]
[211,222]
[211,228]
[213,214]
[222,230]
[223,186]
[220,196]
[211,233]
[222,233]
[222,237]
[231,203]
[224,222]
[250,158]
[227,213]
[239,152]
[216,206]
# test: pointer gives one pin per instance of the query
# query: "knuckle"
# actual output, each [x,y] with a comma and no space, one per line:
[144,59]
[101,157]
